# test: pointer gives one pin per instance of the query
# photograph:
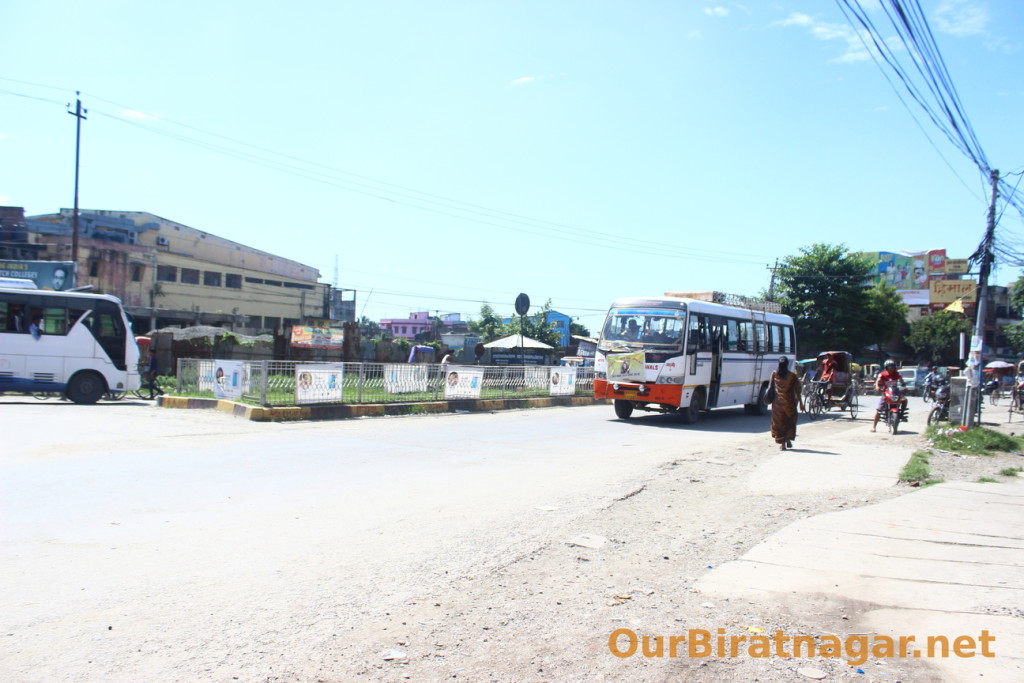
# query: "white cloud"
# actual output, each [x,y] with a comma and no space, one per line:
[961,17]
[523,80]
[855,50]
[138,115]
[795,19]
[716,11]
[5,200]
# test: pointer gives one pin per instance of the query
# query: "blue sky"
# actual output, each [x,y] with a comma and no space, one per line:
[447,153]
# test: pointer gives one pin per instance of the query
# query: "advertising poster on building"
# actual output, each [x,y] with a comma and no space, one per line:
[948,291]
[463,381]
[313,337]
[322,383]
[563,381]
[400,378]
[627,367]
[229,378]
[54,275]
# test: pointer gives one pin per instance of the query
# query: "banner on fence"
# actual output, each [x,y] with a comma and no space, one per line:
[405,379]
[229,378]
[463,381]
[563,381]
[319,383]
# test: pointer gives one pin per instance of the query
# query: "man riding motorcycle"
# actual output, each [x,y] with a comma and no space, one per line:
[889,374]
[931,382]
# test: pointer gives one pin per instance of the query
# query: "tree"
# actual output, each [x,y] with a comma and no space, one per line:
[368,329]
[887,313]
[579,329]
[937,336]
[1015,337]
[540,327]
[1017,295]
[823,289]
[489,327]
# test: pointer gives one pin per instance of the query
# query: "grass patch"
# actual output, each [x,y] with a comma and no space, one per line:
[1011,471]
[917,469]
[977,441]
[987,480]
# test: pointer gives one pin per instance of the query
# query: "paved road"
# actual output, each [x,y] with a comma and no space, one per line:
[190,523]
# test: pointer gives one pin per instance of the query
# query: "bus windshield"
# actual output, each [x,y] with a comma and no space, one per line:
[644,326]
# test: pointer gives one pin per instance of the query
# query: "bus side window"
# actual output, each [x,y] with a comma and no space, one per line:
[732,336]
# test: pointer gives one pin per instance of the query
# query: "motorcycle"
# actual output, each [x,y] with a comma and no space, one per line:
[940,411]
[893,411]
[930,387]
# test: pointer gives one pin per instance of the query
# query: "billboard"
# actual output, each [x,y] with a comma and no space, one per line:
[53,275]
[317,337]
[948,291]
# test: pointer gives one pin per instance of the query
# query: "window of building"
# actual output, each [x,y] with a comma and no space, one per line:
[136,273]
[233,281]
[271,322]
[291,321]
[94,268]
[297,285]
[167,273]
[211,278]
[275,283]
[254,280]
[190,276]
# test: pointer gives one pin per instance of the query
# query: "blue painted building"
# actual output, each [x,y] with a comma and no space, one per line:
[559,321]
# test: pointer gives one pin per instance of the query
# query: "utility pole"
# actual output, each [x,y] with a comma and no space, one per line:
[79,115]
[771,283]
[984,256]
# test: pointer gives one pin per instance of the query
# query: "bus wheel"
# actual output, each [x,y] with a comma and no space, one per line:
[759,408]
[691,413]
[623,409]
[86,387]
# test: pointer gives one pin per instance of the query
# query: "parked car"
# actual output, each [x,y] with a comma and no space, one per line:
[913,377]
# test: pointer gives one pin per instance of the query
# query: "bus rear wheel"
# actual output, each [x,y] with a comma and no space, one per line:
[623,409]
[86,387]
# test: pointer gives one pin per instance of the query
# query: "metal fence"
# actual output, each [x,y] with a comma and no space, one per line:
[287,383]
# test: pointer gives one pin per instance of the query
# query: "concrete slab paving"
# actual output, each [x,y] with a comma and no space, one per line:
[944,561]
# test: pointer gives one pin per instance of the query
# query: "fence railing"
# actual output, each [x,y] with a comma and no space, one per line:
[286,383]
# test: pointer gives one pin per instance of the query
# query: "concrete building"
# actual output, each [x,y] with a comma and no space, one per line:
[169,274]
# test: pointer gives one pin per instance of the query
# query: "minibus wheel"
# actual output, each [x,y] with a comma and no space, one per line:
[623,409]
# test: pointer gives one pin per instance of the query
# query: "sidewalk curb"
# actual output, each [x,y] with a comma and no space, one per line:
[348,411]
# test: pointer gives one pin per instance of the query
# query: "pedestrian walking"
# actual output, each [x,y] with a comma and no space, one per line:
[787,397]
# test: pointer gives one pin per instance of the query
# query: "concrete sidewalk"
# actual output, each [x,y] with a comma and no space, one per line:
[947,560]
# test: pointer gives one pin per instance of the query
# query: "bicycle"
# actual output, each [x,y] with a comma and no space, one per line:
[815,401]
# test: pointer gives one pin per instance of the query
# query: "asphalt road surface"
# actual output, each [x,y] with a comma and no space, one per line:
[140,543]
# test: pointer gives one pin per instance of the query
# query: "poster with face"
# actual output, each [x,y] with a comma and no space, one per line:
[463,381]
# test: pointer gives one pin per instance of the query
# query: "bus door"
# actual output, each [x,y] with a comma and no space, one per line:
[718,336]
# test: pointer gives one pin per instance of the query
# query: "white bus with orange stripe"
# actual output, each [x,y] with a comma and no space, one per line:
[688,352]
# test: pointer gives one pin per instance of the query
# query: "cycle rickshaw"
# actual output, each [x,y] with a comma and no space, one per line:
[834,385]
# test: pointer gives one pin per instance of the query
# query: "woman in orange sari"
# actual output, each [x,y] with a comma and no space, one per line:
[784,407]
